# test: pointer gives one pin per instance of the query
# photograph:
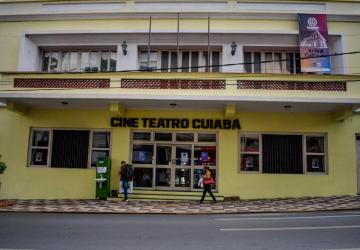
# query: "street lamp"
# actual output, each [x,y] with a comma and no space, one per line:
[233,48]
[124,47]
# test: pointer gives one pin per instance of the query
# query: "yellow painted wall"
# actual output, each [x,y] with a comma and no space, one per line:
[21,181]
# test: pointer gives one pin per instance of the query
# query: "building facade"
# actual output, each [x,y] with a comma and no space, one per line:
[172,86]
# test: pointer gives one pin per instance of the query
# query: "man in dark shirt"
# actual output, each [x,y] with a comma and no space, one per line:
[126,175]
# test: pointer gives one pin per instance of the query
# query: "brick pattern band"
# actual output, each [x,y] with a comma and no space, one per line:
[172,84]
[292,85]
[61,83]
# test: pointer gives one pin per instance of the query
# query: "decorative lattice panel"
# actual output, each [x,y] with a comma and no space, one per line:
[62,83]
[172,84]
[292,85]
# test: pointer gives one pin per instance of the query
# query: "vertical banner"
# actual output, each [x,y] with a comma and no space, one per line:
[313,36]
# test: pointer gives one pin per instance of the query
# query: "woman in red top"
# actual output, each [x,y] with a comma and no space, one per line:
[207,182]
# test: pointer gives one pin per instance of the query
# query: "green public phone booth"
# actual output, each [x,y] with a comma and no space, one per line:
[102,178]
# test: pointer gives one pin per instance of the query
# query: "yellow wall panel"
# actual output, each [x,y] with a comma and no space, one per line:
[21,181]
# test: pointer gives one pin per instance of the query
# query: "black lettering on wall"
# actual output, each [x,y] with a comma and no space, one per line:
[160,123]
[196,123]
[226,124]
[175,123]
[115,122]
[145,120]
[185,123]
[236,124]
[152,122]
[217,124]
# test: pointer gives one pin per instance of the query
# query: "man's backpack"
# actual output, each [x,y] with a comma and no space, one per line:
[129,172]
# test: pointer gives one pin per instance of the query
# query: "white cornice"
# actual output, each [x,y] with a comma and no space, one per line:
[105,16]
[117,96]
[78,10]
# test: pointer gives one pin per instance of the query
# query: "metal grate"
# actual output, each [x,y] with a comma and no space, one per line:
[70,149]
[282,154]
[61,83]
[292,85]
[172,84]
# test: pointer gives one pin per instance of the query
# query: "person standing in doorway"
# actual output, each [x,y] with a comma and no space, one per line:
[126,175]
[208,181]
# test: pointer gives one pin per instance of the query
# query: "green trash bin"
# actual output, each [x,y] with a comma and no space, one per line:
[102,180]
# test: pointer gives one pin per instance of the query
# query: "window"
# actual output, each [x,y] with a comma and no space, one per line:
[68,148]
[278,153]
[78,61]
[202,137]
[315,154]
[273,62]
[141,136]
[152,59]
[100,146]
[39,149]
[168,61]
[249,152]
[163,136]
[142,154]
[205,155]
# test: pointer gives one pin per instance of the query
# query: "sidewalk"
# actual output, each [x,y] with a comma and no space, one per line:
[185,207]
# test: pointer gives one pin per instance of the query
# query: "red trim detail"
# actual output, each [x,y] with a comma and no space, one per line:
[172,84]
[61,83]
[292,85]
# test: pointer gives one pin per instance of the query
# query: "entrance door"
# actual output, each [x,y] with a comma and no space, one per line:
[163,168]
[182,168]
[172,160]
[173,167]
[358,162]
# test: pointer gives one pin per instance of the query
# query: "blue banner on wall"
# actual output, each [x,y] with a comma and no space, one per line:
[313,37]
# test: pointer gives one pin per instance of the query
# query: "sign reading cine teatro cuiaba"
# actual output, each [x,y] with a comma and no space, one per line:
[196,123]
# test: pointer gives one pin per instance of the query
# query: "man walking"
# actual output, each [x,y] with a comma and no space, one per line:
[126,175]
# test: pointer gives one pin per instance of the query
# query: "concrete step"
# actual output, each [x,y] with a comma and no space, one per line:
[168,195]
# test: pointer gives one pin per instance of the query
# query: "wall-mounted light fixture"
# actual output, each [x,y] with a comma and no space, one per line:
[233,48]
[124,47]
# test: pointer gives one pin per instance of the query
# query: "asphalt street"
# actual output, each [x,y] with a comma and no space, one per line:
[326,230]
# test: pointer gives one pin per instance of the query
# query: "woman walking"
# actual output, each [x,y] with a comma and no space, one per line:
[207,182]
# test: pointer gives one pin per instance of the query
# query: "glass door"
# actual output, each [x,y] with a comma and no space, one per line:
[163,168]
[182,168]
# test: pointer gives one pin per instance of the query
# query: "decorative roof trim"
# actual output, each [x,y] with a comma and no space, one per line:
[292,85]
[61,83]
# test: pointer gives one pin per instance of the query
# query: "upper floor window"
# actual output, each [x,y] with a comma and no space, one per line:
[272,62]
[78,61]
[185,61]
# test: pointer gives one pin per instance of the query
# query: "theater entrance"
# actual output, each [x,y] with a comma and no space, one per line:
[172,160]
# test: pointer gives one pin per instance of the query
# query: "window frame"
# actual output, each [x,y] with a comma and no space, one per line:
[283,64]
[304,152]
[31,147]
[90,148]
[79,61]
[200,64]
[324,154]
[255,153]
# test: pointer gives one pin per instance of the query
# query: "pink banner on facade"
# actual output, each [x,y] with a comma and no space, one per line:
[313,36]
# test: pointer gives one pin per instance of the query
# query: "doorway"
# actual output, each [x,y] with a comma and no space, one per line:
[172,160]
